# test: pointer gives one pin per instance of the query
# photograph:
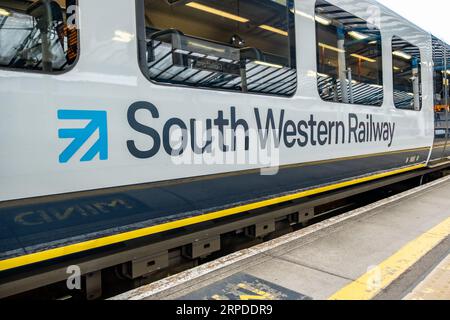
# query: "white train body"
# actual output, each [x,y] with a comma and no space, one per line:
[108,79]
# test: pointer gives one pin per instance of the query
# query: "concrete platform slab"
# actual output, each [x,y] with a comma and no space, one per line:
[351,251]
[435,286]
[311,282]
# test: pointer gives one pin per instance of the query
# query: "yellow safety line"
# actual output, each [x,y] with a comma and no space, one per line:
[105,241]
[373,282]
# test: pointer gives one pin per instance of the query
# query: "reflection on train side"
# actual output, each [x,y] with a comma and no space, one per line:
[58,214]
[39,226]
[78,212]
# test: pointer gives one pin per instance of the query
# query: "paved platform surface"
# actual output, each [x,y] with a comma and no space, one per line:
[384,251]
[436,286]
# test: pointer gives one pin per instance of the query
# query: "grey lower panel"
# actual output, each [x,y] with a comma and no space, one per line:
[31,228]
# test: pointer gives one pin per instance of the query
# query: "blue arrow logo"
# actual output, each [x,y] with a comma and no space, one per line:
[97,122]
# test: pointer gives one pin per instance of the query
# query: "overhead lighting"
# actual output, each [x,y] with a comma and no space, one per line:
[315,74]
[267,64]
[397,68]
[326,46]
[275,30]
[217,12]
[376,86]
[401,54]
[202,46]
[373,42]
[363,58]
[303,14]
[123,36]
[323,20]
[357,35]
[4,12]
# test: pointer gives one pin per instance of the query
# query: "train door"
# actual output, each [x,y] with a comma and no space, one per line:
[441,147]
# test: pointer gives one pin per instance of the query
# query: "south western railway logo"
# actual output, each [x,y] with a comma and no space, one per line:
[88,132]
[82,127]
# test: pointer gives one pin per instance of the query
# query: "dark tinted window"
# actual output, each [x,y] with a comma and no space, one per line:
[349,57]
[38,35]
[441,74]
[246,46]
[407,75]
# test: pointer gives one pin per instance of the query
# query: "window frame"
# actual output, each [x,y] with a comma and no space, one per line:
[54,73]
[316,45]
[142,59]
[420,75]
[445,50]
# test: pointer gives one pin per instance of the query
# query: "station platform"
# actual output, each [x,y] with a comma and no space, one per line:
[397,248]
[436,286]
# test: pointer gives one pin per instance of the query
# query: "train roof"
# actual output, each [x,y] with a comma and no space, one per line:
[392,12]
[388,16]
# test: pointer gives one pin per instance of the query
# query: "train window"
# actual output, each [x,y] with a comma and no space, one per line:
[349,57]
[441,75]
[245,46]
[39,35]
[407,75]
